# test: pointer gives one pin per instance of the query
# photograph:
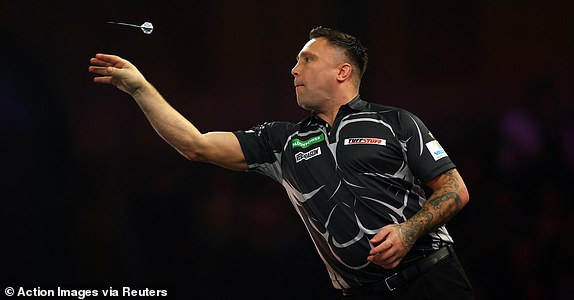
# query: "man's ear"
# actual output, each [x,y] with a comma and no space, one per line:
[345,71]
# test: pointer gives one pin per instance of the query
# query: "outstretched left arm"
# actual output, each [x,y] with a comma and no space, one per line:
[394,241]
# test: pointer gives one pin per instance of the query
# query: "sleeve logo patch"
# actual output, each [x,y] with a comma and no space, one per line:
[436,150]
[365,141]
[307,155]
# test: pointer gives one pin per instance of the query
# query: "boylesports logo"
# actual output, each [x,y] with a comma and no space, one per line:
[307,155]
[306,143]
[365,141]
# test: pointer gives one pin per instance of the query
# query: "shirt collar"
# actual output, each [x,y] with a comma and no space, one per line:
[356,104]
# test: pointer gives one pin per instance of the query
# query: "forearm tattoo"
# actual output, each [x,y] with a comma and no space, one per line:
[441,206]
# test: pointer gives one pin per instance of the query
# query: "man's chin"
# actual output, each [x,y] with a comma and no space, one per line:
[303,104]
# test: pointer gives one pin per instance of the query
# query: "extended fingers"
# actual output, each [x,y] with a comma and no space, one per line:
[103,79]
[99,70]
[105,64]
[100,65]
[108,58]
[98,62]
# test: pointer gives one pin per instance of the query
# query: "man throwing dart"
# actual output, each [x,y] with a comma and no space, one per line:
[355,171]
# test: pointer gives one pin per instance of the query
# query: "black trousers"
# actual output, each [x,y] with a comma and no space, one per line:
[445,280]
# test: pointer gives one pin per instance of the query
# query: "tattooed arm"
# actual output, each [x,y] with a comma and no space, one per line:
[393,242]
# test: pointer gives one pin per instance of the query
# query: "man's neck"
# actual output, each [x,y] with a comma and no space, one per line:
[330,113]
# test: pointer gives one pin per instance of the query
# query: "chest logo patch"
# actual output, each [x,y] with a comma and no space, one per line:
[307,155]
[308,142]
[365,141]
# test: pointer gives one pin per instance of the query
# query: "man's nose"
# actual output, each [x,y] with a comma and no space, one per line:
[295,70]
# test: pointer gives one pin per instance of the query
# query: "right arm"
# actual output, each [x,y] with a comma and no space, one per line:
[220,148]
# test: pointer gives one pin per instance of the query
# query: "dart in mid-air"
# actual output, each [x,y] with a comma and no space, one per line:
[146,27]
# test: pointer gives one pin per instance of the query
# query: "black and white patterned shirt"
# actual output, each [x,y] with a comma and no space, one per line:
[350,180]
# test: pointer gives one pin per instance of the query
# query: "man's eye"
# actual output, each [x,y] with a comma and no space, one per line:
[307,59]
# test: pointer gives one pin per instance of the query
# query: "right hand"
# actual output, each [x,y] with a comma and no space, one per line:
[117,71]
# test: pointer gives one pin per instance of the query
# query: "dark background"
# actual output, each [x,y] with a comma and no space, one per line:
[89,194]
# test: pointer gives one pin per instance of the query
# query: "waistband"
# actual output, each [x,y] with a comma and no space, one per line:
[400,278]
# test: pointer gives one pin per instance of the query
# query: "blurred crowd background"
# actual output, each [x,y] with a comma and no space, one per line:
[89,194]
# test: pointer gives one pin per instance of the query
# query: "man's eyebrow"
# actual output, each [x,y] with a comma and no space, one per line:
[305,53]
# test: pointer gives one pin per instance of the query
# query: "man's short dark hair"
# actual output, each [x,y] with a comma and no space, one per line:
[353,49]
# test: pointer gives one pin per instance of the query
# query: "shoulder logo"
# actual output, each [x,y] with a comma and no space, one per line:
[308,142]
[436,150]
[365,141]
[307,155]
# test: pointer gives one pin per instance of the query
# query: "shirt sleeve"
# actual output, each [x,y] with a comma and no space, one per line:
[425,156]
[262,146]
